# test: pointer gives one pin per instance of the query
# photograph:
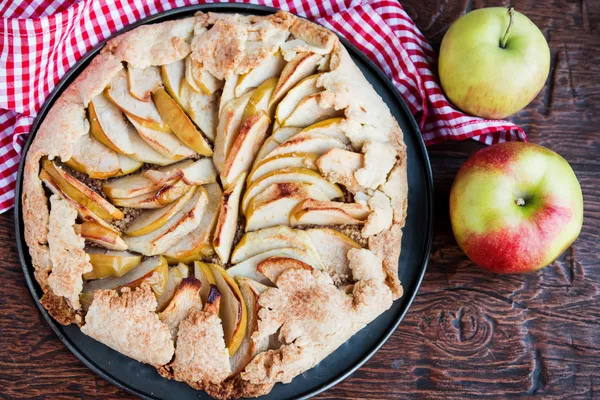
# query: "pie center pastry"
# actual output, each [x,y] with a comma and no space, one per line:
[221,197]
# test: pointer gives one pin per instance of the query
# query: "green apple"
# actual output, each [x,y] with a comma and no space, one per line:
[515,207]
[493,62]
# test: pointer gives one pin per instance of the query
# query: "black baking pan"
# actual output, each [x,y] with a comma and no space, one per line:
[143,380]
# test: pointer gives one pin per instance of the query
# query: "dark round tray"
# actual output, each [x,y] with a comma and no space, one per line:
[143,380]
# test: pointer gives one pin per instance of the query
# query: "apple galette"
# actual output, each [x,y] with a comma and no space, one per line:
[221,197]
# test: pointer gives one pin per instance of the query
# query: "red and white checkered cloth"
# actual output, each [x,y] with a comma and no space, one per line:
[41,40]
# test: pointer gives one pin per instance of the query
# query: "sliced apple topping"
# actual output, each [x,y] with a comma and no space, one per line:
[281,161]
[160,240]
[271,67]
[165,195]
[330,127]
[283,134]
[272,207]
[228,93]
[143,112]
[311,212]
[143,81]
[248,349]
[172,76]
[166,143]
[259,101]
[233,311]
[246,145]
[306,87]
[202,109]
[107,263]
[201,79]
[248,267]
[308,142]
[128,165]
[204,274]
[176,275]
[135,185]
[184,301]
[227,221]
[109,127]
[302,66]
[151,220]
[272,267]
[198,243]
[94,159]
[333,247]
[268,146]
[153,271]
[198,172]
[305,175]
[254,243]
[310,110]
[180,123]
[229,125]
[144,153]
[79,192]
[339,166]
[103,235]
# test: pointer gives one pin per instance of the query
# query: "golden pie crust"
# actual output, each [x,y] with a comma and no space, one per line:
[307,311]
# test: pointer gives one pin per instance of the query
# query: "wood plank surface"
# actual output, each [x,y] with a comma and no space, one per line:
[468,333]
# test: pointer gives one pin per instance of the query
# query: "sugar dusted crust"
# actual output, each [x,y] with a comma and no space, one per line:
[308,313]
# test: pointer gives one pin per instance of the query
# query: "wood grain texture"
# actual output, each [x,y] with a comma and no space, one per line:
[468,333]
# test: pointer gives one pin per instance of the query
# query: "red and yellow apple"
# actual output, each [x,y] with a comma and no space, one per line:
[515,207]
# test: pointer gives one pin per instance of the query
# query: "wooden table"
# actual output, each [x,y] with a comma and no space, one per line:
[468,333]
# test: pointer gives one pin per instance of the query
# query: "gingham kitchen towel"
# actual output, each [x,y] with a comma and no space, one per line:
[41,40]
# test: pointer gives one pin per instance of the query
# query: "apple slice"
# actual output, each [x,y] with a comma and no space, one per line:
[306,87]
[107,237]
[108,126]
[308,142]
[154,200]
[339,166]
[204,274]
[272,267]
[330,127]
[144,112]
[200,172]
[138,184]
[309,111]
[172,76]
[197,243]
[79,192]
[143,81]
[94,159]
[166,143]
[150,220]
[285,133]
[176,275]
[144,153]
[227,221]
[272,207]
[288,160]
[355,210]
[259,101]
[183,222]
[302,66]
[248,267]
[305,214]
[201,108]
[305,175]
[108,263]
[228,128]
[228,93]
[182,303]
[180,123]
[253,243]
[128,165]
[233,312]
[268,146]
[201,79]
[333,247]
[248,349]
[246,145]
[153,271]
[269,68]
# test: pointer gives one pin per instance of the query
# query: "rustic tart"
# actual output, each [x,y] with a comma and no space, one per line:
[220,197]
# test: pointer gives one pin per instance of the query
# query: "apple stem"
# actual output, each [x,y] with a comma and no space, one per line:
[520,201]
[511,14]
